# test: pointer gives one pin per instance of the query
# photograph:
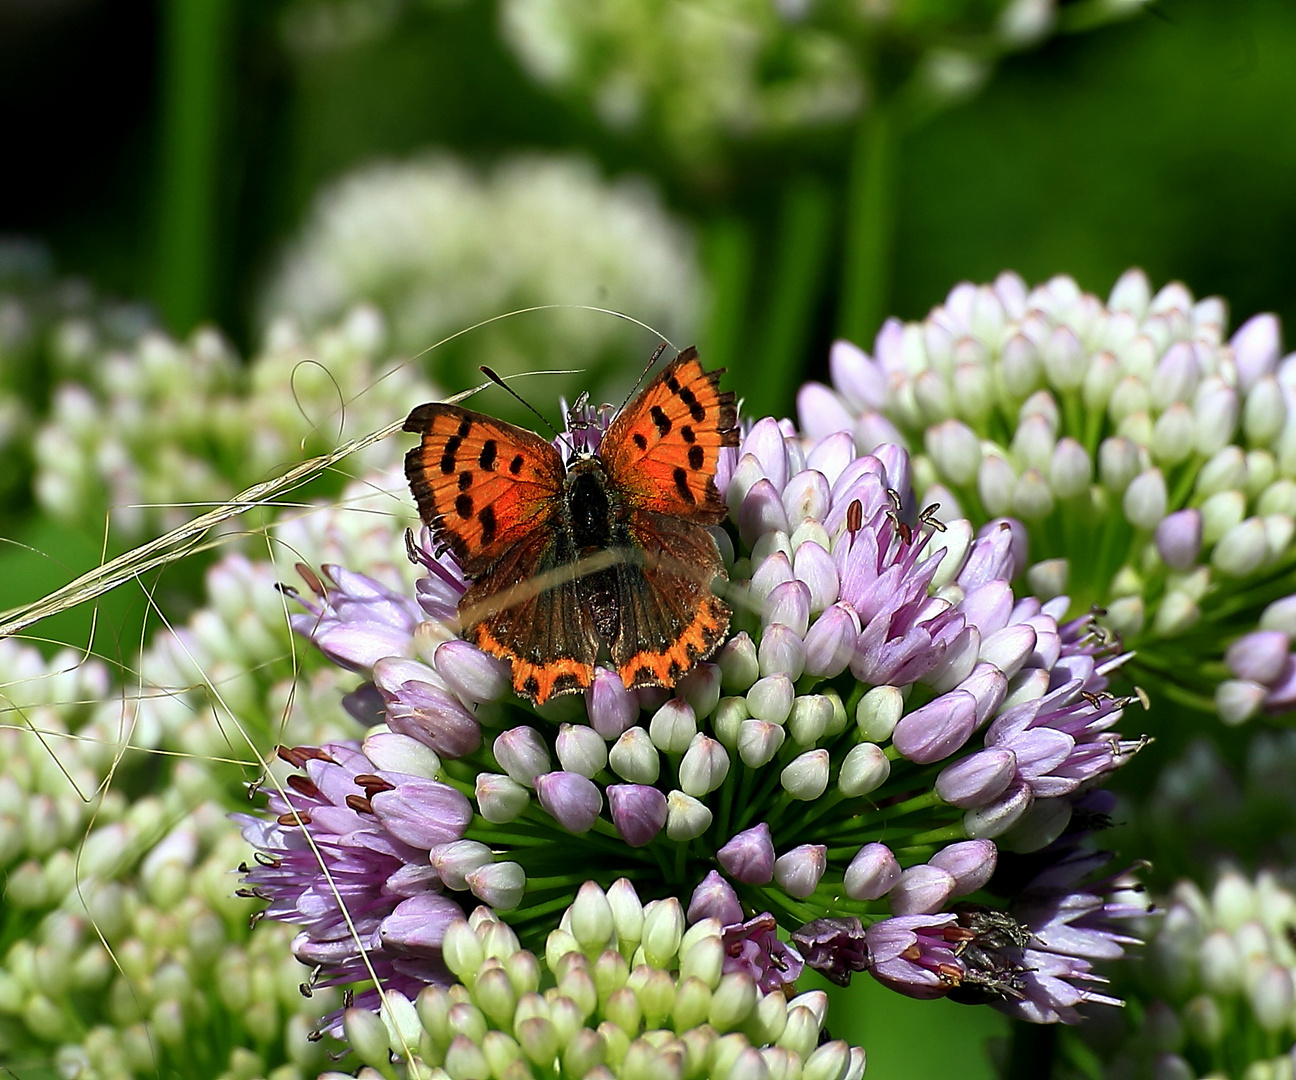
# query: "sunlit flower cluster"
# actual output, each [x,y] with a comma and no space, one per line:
[1149,458]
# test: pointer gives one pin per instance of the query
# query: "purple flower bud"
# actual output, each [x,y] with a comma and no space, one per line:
[989,686]
[749,856]
[816,568]
[638,812]
[500,798]
[758,742]
[1010,648]
[771,698]
[522,754]
[988,606]
[418,924]
[472,674]
[457,859]
[1256,346]
[1144,501]
[391,752]
[423,813]
[500,885]
[574,801]
[955,450]
[821,412]
[611,707]
[835,947]
[807,496]
[634,757]
[871,873]
[704,766]
[977,779]
[857,378]
[830,642]
[421,709]
[765,443]
[738,663]
[970,862]
[1176,375]
[994,554]
[921,890]
[1259,656]
[830,456]
[788,604]
[998,816]
[715,898]
[672,727]
[934,731]
[798,871]
[580,749]
[701,689]
[958,662]
[1238,700]
[761,512]
[781,652]
[809,719]
[366,704]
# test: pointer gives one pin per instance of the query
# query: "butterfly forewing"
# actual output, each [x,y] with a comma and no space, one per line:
[662,450]
[482,485]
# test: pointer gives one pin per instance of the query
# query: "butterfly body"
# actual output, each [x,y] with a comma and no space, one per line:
[599,557]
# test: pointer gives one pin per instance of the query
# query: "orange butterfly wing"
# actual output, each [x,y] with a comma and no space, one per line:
[482,485]
[662,450]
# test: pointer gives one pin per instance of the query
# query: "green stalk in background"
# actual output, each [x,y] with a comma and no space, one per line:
[801,249]
[195,59]
[727,252]
[870,228]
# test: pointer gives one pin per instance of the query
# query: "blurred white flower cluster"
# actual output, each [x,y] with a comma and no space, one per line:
[130,953]
[439,246]
[697,75]
[157,430]
[1218,988]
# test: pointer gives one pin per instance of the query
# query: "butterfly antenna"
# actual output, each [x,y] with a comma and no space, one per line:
[643,374]
[505,386]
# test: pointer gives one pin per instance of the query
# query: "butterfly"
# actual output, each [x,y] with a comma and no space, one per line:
[574,558]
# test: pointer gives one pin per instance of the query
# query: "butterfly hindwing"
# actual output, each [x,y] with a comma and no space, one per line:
[669,617]
[662,450]
[527,609]
[482,485]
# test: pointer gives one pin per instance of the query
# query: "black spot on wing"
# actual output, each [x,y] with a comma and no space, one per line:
[465,426]
[674,671]
[486,519]
[464,506]
[531,687]
[682,486]
[565,682]
[687,432]
[661,420]
[695,407]
[515,466]
[696,456]
[640,441]
[465,480]
[672,384]
[448,454]
[486,459]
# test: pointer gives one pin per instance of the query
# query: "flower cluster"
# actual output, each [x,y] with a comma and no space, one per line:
[1218,980]
[697,76]
[886,718]
[634,993]
[439,247]
[157,429]
[126,953]
[1149,460]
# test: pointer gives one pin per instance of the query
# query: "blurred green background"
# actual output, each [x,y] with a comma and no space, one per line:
[171,153]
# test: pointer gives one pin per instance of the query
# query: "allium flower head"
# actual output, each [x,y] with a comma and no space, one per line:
[885,718]
[1147,457]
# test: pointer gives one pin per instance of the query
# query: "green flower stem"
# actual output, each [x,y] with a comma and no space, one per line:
[869,226]
[801,248]
[941,836]
[196,47]
[728,255]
